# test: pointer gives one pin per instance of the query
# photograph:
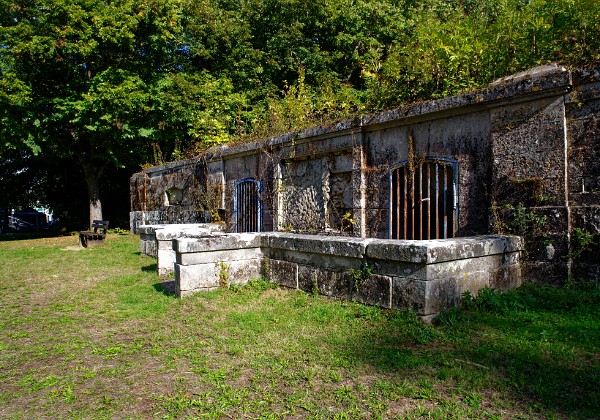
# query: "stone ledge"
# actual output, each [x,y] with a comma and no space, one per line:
[188,231]
[169,231]
[331,245]
[441,250]
[218,242]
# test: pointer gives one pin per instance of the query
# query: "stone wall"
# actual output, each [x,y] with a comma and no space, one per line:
[583,170]
[426,276]
[527,150]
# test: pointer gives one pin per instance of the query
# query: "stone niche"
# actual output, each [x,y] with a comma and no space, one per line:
[426,276]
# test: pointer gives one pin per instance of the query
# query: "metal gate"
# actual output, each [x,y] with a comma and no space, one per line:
[247,206]
[423,201]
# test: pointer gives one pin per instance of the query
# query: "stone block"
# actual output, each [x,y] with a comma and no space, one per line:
[326,261]
[378,222]
[506,277]
[198,230]
[512,117]
[585,76]
[587,92]
[586,217]
[241,271]
[284,273]
[399,250]
[398,268]
[217,242]
[329,283]
[528,143]
[190,278]
[343,163]
[165,258]
[460,268]
[165,245]
[584,174]
[196,277]
[440,250]
[225,255]
[428,297]
[550,248]
[545,166]
[588,198]
[313,244]
[148,246]
[583,123]
[472,247]
[374,290]
[149,229]
[555,219]
[553,273]
[586,270]
[409,294]
[586,263]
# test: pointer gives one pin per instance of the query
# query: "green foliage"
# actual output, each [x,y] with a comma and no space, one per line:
[223,271]
[106,85]
[583,241]
[261,284]
[493,300]
[360,277]
[520,220]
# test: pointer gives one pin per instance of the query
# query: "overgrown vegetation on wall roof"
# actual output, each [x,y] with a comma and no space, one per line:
[99,85]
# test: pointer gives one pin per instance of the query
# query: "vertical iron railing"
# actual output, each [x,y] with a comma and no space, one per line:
[247,206]
[423,201]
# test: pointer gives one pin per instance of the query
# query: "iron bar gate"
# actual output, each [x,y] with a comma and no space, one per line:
[247,206]
[423,201]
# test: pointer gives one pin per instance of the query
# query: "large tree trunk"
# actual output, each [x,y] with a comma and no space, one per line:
[91,179]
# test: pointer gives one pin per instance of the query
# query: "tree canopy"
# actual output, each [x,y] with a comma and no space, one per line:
[90,91]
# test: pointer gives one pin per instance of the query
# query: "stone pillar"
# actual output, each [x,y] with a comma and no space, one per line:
[359,184]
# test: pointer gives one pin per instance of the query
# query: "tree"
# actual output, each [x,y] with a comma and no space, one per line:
[78,79]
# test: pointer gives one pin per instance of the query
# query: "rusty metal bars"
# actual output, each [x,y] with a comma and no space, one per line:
[247,206]
[423,201]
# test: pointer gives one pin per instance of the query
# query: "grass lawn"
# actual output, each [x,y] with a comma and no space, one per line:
[92,333]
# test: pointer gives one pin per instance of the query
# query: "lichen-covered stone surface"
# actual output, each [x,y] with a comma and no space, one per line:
[527,153]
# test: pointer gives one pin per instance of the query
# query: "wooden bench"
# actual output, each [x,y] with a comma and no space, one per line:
[96,236]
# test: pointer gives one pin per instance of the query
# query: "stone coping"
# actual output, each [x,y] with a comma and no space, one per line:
[165,232]
[219,242]
[410,251]
[441,250]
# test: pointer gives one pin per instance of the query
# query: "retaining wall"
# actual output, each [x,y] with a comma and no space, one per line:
[427,276]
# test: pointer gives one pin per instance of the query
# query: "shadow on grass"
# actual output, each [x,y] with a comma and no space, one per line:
[166,287]
[549,362]
[568,388]
[150,268]
[30,235]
